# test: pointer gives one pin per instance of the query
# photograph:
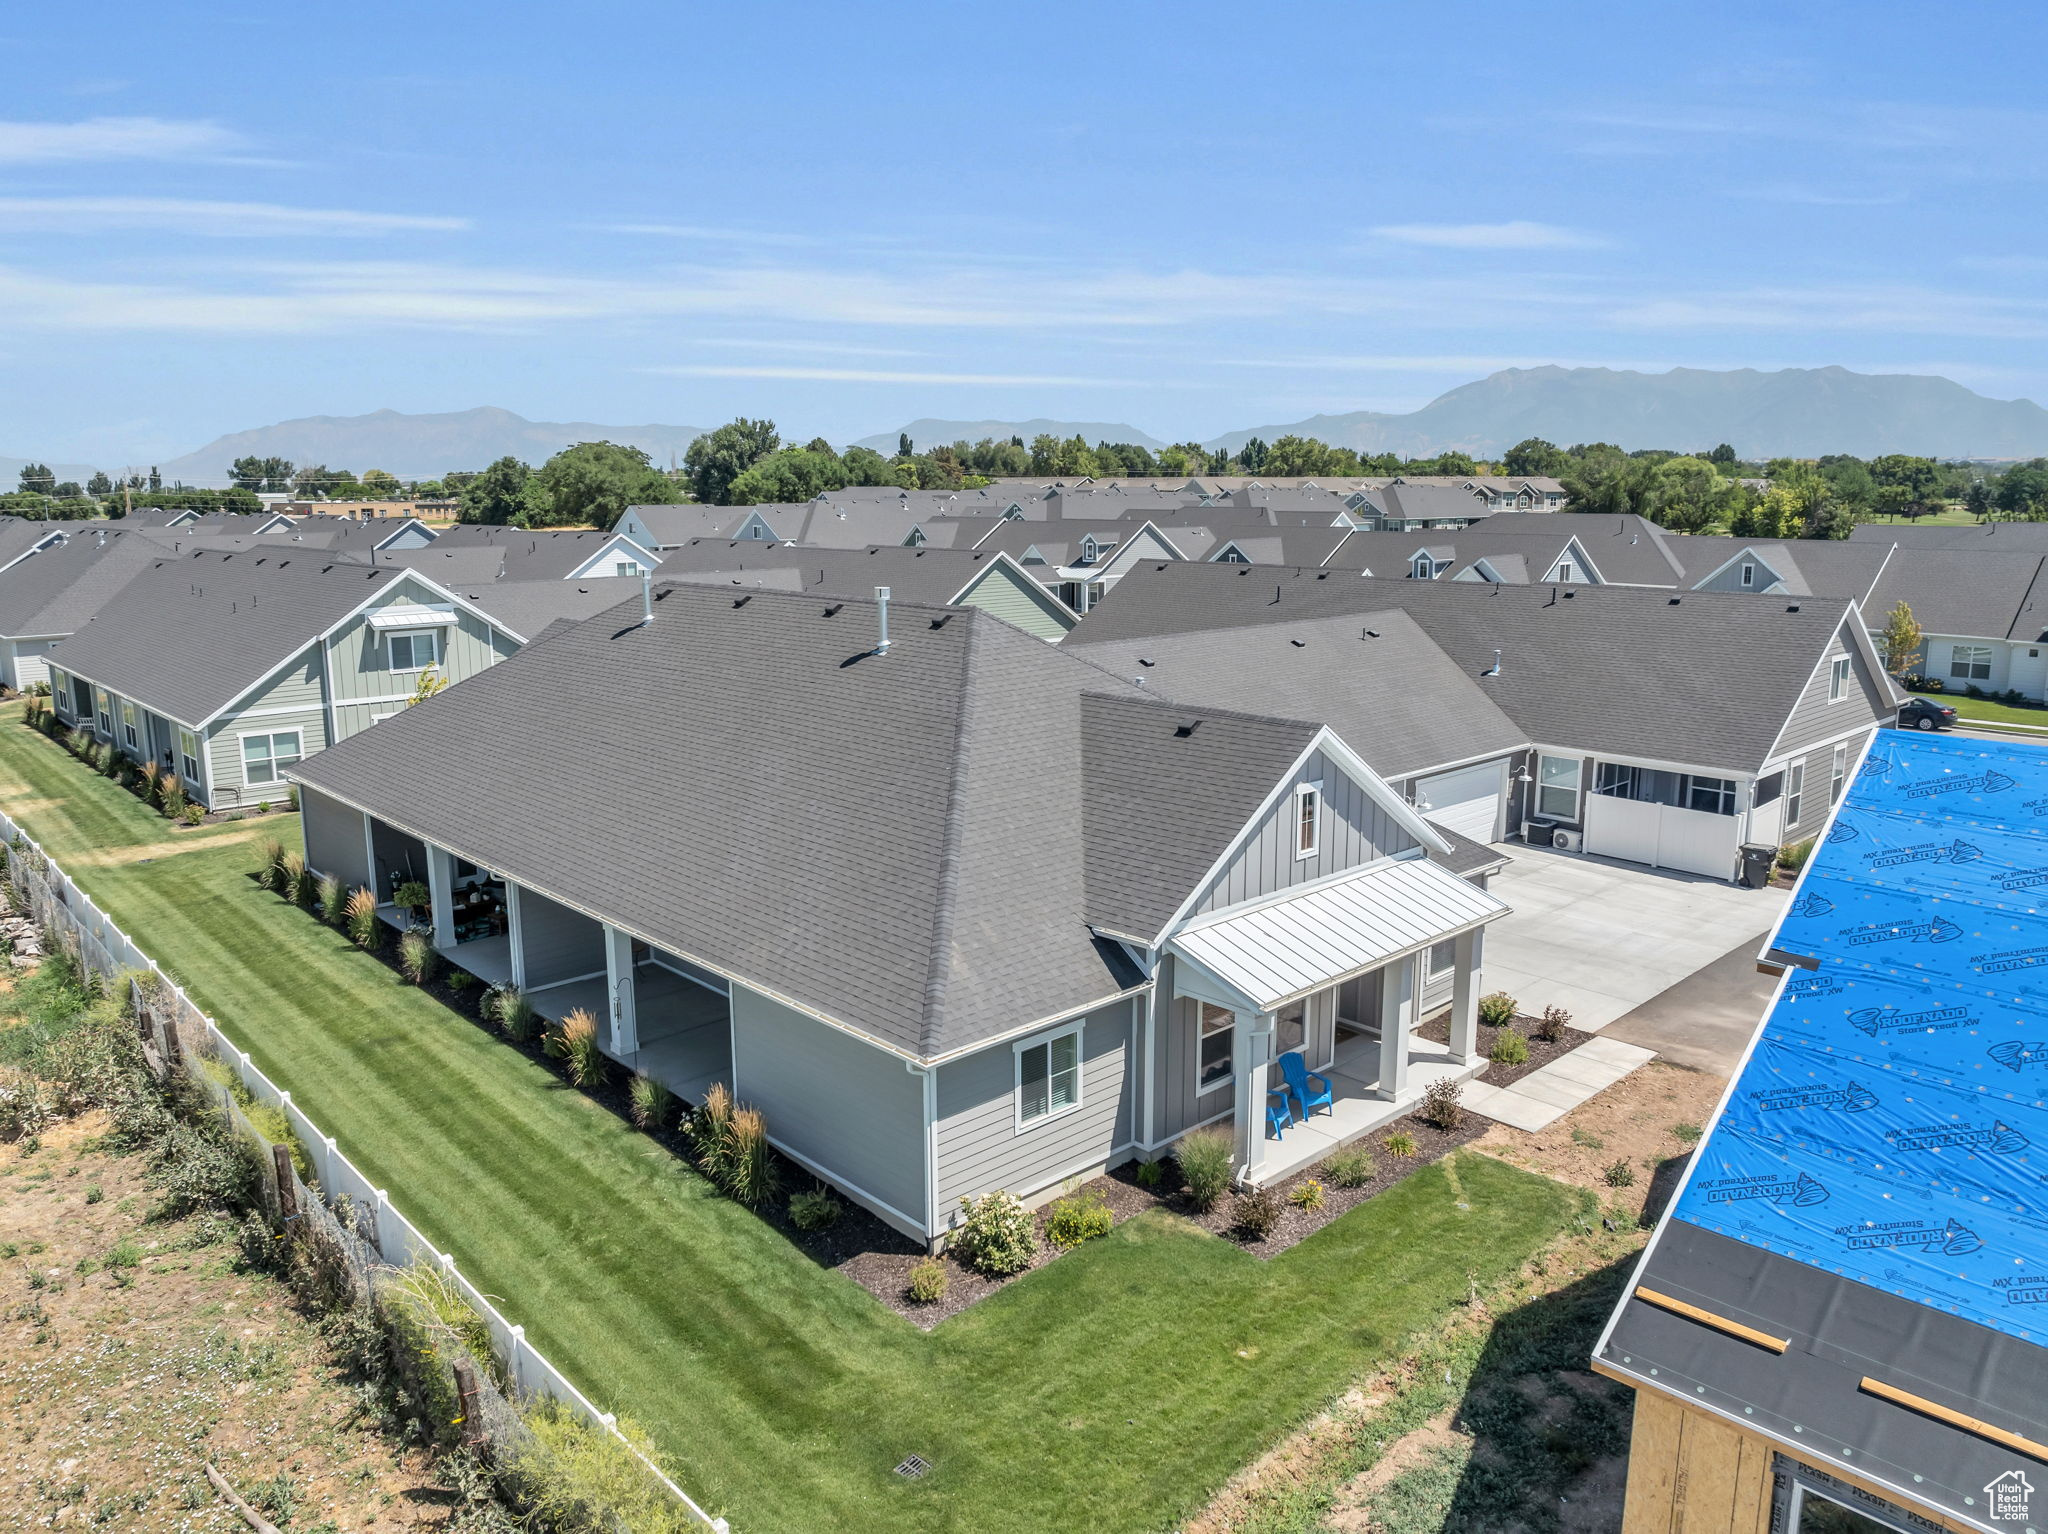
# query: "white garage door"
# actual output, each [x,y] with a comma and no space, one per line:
[1466,801]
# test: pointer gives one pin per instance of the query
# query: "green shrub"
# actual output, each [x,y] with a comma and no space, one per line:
[995,1235]
[110,765]
[195,814]
[1509,1048]
[1078,1217]
[1496,1009]
[412,895]
[1551,1028]
[1205,1157]
[1793,858]
[1442,1106]
[270,872]
[1400,1143]
[573,1476]
[1351,1167]
[333,901]
[1618,1174]
[1150,1174]
[173,801]
[750,1174]
[418,959]
[274,1124]
[578,1047]
[514,1013]
[929,1281]
[650,1101]
[710,1132]
[360,917]
[295,879]
[460,980]
[814,1209]
[1254,1213]
[1306,1194]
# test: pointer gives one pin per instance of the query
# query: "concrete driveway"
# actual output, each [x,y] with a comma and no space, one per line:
[1600,938]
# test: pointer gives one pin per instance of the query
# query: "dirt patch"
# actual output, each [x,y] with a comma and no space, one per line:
[185,842]
[132,1352]
[1435,1439]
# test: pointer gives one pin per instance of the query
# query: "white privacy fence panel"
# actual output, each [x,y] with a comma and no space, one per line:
[59,904]
[1662,835]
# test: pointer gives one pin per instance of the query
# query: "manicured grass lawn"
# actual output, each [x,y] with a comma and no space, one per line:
[1948,516]
[1114,1389]
[1989,711]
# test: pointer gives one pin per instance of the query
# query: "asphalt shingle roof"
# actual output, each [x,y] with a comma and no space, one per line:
[53,590]
[930,576]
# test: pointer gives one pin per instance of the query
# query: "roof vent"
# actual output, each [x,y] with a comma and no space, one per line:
[882,620]
[743,601]
[1569,595]
[1187,729]
[1673,602]
[1370,634]
[1792,607]
[1494,669]
[1298,643]
[834,610]
[1146,660]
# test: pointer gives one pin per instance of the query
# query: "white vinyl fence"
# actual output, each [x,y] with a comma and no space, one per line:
[61,906]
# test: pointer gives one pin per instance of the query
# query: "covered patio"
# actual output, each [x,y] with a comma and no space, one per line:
[682,1027]
[1335,973]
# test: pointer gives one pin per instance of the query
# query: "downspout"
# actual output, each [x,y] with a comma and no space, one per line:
[930,1077]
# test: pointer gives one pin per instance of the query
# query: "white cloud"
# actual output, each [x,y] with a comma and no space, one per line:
[114,138]
[1517,234]
[877,375]
[71,215]
[1898,309]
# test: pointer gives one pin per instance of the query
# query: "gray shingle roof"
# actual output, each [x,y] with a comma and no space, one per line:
[528,608]
[190,635]
[1963,591]
[930,576]
[1822,567]
[530,555]
[895,842]
[53,590]
[1701,678]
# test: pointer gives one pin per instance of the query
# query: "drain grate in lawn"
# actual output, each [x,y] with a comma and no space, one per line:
[912,1467]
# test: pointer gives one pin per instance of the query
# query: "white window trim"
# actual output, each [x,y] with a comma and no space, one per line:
[1748,574]
[1968,656]
[131,725]
[1567,572]
[1196,1065]
[1838,773]
[1839,670]
[1078,1028]
[1315,846]
[1578,785]
[433,637]
[242,755]
[1795,792]
[188,762]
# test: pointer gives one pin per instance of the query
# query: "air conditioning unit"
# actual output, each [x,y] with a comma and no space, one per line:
[1565,841]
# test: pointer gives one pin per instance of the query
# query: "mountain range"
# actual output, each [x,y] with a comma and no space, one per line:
[1793,412]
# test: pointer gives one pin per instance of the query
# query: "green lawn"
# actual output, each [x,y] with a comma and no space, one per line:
[1948,516]
[1989,710]
[1114,1389]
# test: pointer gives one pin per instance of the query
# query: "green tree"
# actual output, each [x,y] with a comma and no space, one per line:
[1688,494]
[865,466]
[1914,483]
[1253,456]
[36,479]
[99,486]
[380,486]
[794,474]
[1291,456]
[1724,455]
[499,494]
[718,458]
[905,448]
[1533,455]
[1977,499]
[1901,640]
[254,473]
[592,483]
[2022,491]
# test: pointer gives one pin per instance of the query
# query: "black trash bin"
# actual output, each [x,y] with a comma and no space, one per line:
[1757,859]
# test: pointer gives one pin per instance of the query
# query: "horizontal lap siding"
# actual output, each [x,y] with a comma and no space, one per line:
[1355,830]
[358,660]
[334,837]
[851,1109]
[1814,719]
[980,1146]
[296,700]
[1002,592]
[559,944]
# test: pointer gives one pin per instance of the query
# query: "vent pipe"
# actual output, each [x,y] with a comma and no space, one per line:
[646,597]
[882,619]
[1494,669]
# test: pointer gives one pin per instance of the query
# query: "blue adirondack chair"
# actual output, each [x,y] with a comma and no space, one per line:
[1279,1112]
[1310,1088]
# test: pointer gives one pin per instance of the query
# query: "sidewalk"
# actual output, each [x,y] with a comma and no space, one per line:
[1543,1096]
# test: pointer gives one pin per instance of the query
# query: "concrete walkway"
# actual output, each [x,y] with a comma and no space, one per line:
[1600,937]
[1545,1095]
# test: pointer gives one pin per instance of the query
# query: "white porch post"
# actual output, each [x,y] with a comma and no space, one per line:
[618,964]
[1465,996]
[515,939]
[1398,983]
[441,896]
[370,856]
[1251,1051]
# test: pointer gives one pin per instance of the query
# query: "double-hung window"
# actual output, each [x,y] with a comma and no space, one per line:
[626,567]
[265,757]
[188,756]
[1748,575]
[414,649]
[1308,820]
[1217,1035]
[106,712]
[1567,572]
[130,735]
[1442,956]
[1970,662]
[1838,678]
[1839,773]
[1557,787]
[1795,791]
[1048,1076]
[1713,796]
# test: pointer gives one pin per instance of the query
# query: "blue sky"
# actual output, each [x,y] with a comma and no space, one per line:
[1190,217]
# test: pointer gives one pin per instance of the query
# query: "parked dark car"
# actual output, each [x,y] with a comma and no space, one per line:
[1926,714]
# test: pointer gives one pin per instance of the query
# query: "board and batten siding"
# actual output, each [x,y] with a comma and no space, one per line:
[295,699]
[334,838]
[1814,719]
[359,666]
[853,1111]
[558,944]
[1730,578]
[1356,829]
[1003,591]
[1175,1023]
[982,1148]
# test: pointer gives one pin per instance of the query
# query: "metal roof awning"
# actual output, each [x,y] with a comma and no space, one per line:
[1285,948]
[412,615]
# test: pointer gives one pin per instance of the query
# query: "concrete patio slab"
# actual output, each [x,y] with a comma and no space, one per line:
[1543,1096]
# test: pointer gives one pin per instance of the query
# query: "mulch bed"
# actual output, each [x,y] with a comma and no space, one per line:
[1541,1053]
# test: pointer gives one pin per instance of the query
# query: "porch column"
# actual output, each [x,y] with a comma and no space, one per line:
[370,856]
[441,896]
[618,965]
[515,939]
[1251,1051]
[1399,982]
[1465,995]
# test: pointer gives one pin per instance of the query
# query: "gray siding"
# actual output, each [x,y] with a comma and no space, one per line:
[1020,601]
[1355,830]
[1815,799]
[980,1146]
[850,1109]
[1180,1108]
[399,857]
[295,700]
[334,838]
[1730,579]
[559,943]
[359,667]
[1814,718]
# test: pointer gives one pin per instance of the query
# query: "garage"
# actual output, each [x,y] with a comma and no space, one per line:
[1466,801]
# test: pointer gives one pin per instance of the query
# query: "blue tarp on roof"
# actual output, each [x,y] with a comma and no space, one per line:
[1891,1122]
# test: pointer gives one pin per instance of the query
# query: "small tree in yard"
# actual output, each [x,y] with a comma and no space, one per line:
[995,1234]
[1901,639]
